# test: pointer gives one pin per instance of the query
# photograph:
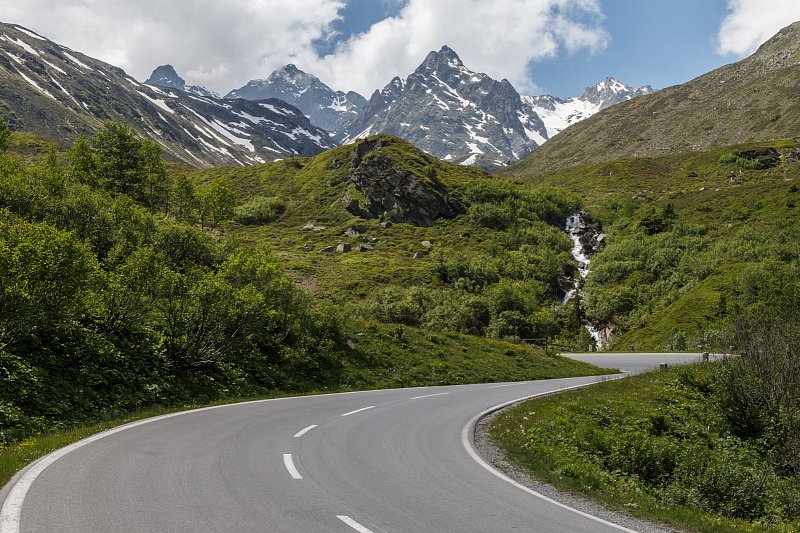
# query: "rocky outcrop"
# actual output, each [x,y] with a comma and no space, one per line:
[386,191]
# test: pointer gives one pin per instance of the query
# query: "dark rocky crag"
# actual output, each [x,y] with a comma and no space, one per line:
[391,193]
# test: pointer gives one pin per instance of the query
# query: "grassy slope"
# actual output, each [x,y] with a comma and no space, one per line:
[314,192]
[752,100]
[602,440]
[723,202]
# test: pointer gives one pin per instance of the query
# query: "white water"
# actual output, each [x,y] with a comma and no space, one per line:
[573,225]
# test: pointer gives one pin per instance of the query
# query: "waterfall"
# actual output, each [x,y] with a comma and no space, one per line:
[582,249]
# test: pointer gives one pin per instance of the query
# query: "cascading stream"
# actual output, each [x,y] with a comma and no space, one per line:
[581,250]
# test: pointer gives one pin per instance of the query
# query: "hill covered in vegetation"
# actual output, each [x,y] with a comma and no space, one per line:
[694,241]
[128,285]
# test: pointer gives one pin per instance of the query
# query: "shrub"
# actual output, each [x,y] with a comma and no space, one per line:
[260,210]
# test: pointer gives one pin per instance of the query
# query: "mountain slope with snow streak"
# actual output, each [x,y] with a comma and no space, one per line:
[50,90]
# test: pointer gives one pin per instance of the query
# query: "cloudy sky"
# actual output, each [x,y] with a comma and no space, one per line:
[542,46]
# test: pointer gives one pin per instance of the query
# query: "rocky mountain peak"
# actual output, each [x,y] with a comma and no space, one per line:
[780,51]
[293,75]
[165,76]
[611,91]
[446,57]
[325,107]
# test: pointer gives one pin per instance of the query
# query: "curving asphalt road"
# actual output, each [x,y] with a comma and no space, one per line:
[377,461]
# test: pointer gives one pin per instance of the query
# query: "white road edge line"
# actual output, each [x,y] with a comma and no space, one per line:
[358,410]
[429,396]
[467,441]
[304,431]
[352,523]
[287,460]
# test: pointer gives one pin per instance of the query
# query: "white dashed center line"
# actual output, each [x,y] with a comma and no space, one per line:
[429,395]
[304,431]
[352,523]
[358,410]
[287,460]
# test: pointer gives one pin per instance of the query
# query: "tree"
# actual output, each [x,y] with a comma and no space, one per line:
[184,200]
[5,135]
[118,159]
[217,203]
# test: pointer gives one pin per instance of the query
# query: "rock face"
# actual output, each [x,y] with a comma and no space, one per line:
[165,76]
[467,117]
[326,108]
[50,90]
[451,112]
[394,194]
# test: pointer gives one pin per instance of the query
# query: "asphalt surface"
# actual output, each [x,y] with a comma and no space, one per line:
[377,461]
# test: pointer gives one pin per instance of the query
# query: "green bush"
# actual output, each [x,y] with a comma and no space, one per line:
[260,210]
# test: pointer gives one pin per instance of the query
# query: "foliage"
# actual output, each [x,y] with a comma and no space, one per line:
[260,210]
[124,288]
[5,134]
[705,447]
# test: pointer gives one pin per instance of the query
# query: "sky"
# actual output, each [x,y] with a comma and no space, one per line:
[554,47]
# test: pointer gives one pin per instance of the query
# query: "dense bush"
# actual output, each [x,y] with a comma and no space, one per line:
[108,302]
[260,210]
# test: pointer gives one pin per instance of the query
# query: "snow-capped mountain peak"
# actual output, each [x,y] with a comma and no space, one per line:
[451,112]
[558,114]
[325,107]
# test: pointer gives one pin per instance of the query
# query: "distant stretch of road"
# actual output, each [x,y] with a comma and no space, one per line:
[378,461]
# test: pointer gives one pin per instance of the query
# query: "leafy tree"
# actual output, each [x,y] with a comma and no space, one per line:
[5,135]
[217,203]
[119,160]
[184,200]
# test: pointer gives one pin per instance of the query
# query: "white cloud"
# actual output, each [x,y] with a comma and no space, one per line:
[225,44]
[218,44]
[499,37]
[749,23]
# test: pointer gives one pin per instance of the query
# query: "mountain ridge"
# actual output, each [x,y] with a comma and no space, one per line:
[51,90]
[325,107]
[750,100]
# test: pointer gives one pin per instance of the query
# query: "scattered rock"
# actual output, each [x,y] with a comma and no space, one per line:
[420,255]
[386,225]
[364,248]
[352,233]
[328,249]
[426,244]
[761,158]
[344,248]
[693,174]
[640,198]
[364,238]
[312,227]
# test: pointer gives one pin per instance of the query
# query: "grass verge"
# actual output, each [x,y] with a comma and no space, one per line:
[649,445]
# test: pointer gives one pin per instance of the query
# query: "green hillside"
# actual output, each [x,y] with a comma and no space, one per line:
[126,287]
[695,240]
[752,100]
[489,263]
